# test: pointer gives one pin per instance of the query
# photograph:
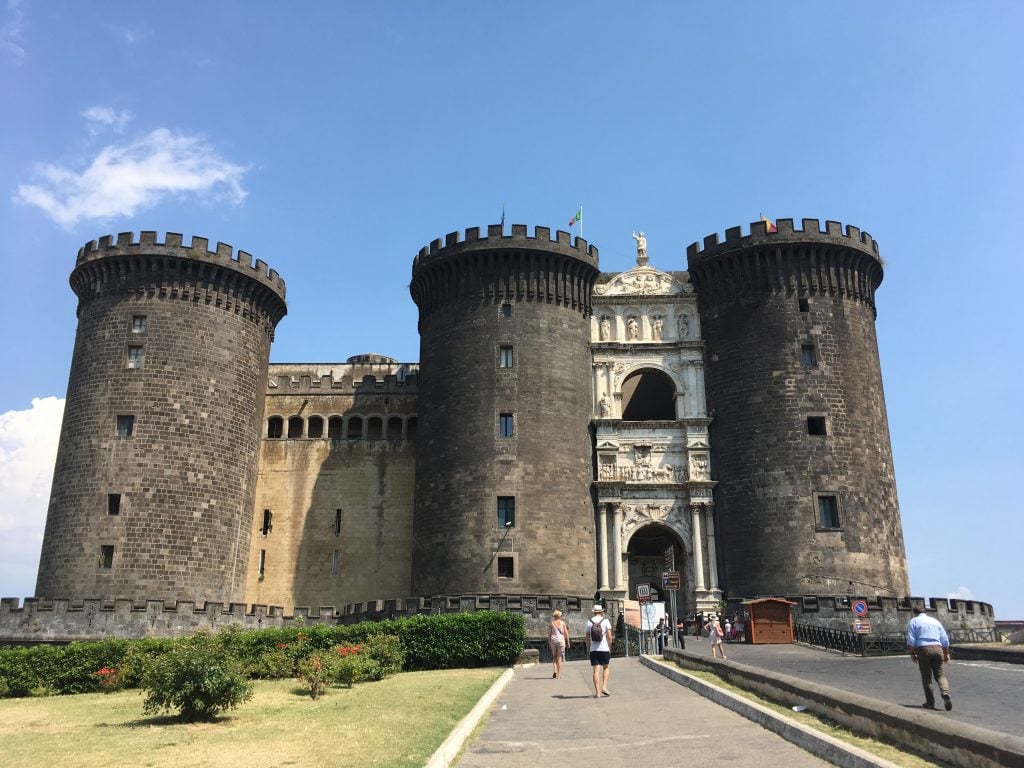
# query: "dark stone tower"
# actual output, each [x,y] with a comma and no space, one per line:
[806,495]
[156,468]
[505,388]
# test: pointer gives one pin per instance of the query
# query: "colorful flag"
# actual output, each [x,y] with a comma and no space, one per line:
[769,224]
[577,217]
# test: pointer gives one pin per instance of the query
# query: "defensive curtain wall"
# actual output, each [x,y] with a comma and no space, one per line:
[806,493]
[63,620]
[159,447]
[334,496]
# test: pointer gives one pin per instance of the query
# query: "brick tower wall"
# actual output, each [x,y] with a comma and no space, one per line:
[187,473]
[462,464]
[761,299]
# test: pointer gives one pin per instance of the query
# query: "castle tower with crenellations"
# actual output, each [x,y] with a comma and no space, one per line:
[806,495]
[504,455]
[159,449]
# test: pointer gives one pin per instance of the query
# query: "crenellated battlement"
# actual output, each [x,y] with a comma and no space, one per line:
[348,377]
[199,249]
[810,232]
[457,242]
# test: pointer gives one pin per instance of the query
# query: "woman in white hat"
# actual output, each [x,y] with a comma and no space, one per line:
[558,641]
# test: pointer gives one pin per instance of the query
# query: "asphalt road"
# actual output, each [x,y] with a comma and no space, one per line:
[986,694]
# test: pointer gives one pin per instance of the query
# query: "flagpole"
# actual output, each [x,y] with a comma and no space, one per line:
[581,220]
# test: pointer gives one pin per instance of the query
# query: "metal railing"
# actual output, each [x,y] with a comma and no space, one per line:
[850,642]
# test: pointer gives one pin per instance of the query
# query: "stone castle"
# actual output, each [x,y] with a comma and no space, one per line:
[565,431]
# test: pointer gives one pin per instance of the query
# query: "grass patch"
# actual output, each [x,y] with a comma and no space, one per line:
[883,749]
[395,723]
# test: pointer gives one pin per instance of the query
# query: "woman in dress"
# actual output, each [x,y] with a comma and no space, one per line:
[715,635]
[558,641]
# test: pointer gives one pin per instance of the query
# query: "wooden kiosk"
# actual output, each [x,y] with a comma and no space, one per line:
[768,620]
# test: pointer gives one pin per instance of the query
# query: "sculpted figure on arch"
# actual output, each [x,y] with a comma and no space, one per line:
[641,248]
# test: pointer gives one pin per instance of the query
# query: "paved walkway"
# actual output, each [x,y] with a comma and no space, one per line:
[648,720]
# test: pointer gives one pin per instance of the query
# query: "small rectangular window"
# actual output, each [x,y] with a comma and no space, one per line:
[138,323]
[106,556]
[268,522]
[113,503]
[808,356]
[816,425]
[804,305]
[505,425]
[506,309]
[505,357]
[335,562]
[506,568]
[263,563]
[125,425]
[506,511]
[828,512]
[134,357]
[337,522]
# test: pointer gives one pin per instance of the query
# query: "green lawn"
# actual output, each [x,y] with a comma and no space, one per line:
[394,723]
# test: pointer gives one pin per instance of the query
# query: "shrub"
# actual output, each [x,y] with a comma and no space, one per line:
[198,677]
[318,671]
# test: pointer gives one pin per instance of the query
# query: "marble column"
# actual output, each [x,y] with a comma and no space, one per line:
[617,546]
[602,547]
[712,557]
[698,549]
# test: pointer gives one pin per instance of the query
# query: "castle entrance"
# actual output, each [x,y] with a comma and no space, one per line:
[646,552]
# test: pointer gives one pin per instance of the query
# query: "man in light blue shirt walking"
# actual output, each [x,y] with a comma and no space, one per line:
[928,644]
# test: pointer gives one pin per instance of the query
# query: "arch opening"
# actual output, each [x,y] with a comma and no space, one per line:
[648,395]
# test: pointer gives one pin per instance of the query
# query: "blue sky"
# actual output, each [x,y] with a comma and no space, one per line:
[333,140]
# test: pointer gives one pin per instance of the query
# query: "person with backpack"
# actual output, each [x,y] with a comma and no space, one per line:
[599,630]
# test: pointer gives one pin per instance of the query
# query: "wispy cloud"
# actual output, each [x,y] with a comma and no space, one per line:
[123,179]
[108,117]
[961,593]
[10,30]
[28,449]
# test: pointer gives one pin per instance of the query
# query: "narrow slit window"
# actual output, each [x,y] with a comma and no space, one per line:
[135,357]
[263,563]
[828,512]
[335,562]
[106,557]
[268,522]
[113,503]
[804,305]
[506,358]
[808,356]
[125,425]
[816,425]
[337,522]
[506,511]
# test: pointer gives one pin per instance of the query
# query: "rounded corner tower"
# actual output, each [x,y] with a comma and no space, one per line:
[503,462]
[158,455]
[806,494]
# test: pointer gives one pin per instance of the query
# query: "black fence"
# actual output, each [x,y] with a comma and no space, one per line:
[851,642]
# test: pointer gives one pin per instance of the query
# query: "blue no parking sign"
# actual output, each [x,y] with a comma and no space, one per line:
[860,608]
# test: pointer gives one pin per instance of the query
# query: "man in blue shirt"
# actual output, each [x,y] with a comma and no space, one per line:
[928,644]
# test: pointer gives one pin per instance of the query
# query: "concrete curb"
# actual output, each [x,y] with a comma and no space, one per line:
[818,744]
[445,754]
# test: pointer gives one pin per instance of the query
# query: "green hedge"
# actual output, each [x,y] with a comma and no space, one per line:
[440,641]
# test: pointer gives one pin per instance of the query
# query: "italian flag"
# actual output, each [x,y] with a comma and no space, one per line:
[769,224]
[577,217]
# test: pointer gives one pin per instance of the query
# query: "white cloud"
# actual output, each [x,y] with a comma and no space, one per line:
[10,31]
[107,116]
[124,179]
[961,593]
[28,449]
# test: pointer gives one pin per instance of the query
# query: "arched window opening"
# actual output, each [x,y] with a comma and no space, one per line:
[648,395]
[315,427]
[374,428]
[295,427]
[334,428]
[410,428]
[355,428]
[394,428]
[275,427]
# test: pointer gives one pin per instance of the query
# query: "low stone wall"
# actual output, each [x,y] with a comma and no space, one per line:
[62,621]
[947,741]
[888,615]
